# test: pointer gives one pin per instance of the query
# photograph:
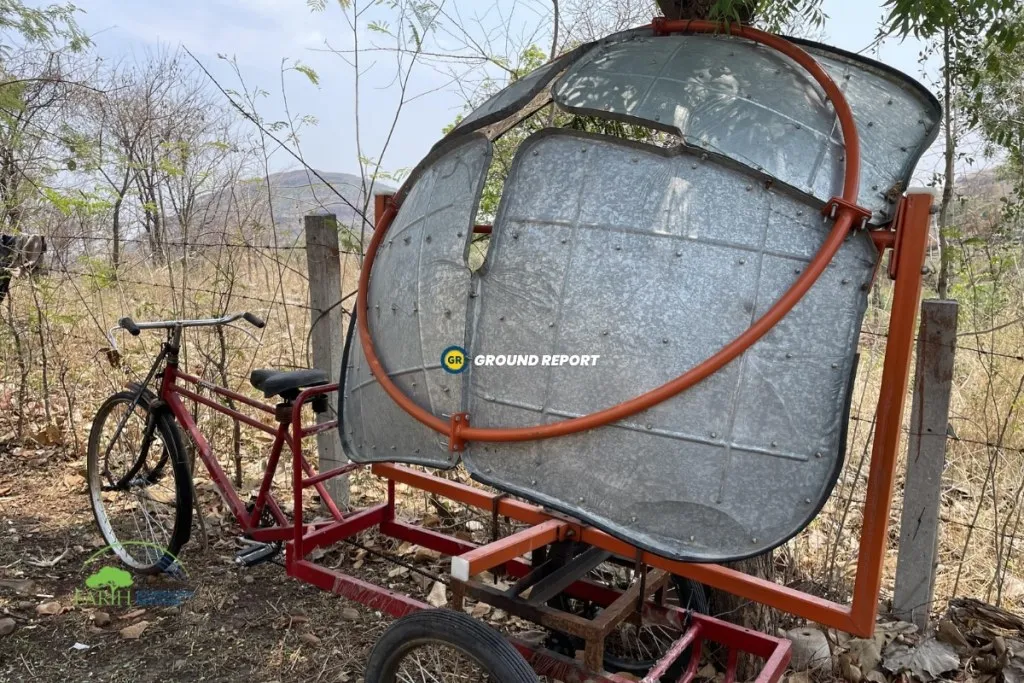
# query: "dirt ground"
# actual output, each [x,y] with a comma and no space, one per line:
[242,624]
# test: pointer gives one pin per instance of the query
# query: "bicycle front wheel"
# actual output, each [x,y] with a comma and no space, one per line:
[139,483]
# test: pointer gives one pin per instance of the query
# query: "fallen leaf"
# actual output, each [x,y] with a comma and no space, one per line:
[133,614]
[134,631]
[480,610]
[310,639]
[7,626]
[49,608]
[101,619]
[927,660]
[425,555]
[350,613]
[438,596]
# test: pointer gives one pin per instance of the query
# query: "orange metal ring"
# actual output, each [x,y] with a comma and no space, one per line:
[845,220]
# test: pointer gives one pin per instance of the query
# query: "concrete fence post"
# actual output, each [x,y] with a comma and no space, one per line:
[323,260]
[926,458]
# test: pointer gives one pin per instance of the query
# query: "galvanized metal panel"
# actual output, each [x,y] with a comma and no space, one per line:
[653,260]
[528,92]
[417,309]
[754,105]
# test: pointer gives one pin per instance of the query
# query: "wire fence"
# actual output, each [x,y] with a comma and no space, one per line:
[55,370]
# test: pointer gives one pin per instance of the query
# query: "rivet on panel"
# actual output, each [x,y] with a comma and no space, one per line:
[633,518]
[835,366]
[693,166]
[754,539]
[458,234]
[807,500]
[427,239]
[447,313]
[789,355]
[618,247]
[692,539]
[501,317]
[889,102]
[563,240]
[533,482]
[846,280]
[871,124]
[664,341]
[394,448]
[800,212]
[581,499]
[488,470]
[875,188]
[743,261]
[535,152]
[679,253]
[515,235]
[649,426]
[775,444]
[749,188]
[817,454]
[796,271]
[903,149]
[551,324]
[714,435]
[407,239]
[604,333]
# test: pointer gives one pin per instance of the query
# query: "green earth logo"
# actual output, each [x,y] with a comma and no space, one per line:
[114,587]
[109,577]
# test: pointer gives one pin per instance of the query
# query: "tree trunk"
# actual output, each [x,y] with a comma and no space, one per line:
[946,255]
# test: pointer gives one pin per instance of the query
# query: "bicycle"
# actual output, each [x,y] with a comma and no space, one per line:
[139,475]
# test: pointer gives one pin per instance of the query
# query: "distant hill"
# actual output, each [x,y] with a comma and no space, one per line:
[248,211]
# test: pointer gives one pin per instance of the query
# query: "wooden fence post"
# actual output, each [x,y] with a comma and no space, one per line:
[323,259]
[926,458]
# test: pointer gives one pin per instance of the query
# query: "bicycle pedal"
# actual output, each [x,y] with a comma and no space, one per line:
[256,553]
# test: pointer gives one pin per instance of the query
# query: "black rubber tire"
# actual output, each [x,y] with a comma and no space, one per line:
[173,452]
[475,640]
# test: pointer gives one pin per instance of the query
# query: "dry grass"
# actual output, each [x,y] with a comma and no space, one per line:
[54,372]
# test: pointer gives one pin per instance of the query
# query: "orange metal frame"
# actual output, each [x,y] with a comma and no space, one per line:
[908,240]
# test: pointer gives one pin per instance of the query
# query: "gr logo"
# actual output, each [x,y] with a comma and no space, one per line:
[454,360]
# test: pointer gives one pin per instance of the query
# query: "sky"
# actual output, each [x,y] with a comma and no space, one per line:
[261,35]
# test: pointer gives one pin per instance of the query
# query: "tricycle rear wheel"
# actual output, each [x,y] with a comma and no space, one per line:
[440,645]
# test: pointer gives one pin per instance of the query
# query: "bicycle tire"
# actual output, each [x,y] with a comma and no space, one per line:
[495,655]
[157,422]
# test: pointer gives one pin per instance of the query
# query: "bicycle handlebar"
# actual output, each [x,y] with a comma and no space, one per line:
[134,328]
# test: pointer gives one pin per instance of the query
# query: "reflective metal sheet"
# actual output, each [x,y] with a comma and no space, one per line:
[653,260]
[417,309]
[754,105]
[519,95]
